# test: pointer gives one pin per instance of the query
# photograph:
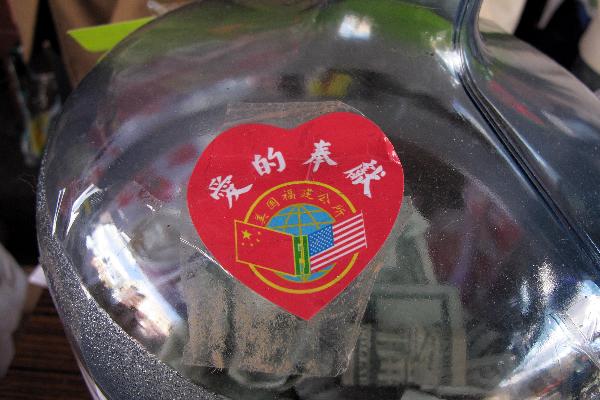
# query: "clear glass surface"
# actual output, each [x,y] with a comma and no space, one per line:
[483,291]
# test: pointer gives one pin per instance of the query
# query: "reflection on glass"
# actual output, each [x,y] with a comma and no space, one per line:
[355,27]
[118,272]
[474,287]
[566,352]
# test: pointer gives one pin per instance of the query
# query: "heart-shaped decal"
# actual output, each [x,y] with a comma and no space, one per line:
[297,214]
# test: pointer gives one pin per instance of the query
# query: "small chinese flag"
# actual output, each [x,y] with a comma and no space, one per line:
[270,249]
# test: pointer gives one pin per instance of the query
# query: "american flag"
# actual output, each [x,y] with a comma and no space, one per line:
[336,241]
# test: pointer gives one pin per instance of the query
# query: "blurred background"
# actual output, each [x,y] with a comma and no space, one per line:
[43,58]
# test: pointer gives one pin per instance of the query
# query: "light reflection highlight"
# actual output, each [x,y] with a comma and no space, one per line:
[354,27]
[118,271]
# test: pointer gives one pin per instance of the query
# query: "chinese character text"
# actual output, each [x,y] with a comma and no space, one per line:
[320,155]
[223,187]
[364,174]
[272,203]
[340,210]
[273,159]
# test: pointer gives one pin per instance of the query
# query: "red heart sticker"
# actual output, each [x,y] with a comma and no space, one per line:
[297,214]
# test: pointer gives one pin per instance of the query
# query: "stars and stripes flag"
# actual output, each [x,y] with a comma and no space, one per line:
[335,241]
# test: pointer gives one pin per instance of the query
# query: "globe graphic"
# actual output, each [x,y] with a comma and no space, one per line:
[301,219]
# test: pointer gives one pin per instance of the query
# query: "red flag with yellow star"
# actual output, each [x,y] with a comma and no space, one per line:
[266,248]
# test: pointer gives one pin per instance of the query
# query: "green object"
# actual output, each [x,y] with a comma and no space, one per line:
[301,256]
[101,38]
[395,19]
